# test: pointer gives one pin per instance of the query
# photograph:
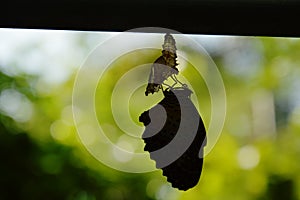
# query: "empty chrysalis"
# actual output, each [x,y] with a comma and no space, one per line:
[174,132]
[163,67]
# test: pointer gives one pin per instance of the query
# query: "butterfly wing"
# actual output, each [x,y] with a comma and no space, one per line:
[178,113]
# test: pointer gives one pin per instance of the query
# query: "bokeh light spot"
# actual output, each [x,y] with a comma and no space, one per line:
[248,157]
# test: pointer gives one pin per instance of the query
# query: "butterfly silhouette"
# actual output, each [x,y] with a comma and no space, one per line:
[181,120]
[174,134]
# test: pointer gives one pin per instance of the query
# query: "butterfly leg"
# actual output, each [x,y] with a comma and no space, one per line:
[174,79]
[177,81]
[169,86]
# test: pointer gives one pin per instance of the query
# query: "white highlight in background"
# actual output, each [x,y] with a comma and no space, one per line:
[248,157]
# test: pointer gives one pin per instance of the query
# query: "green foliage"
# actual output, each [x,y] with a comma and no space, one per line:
[46,169]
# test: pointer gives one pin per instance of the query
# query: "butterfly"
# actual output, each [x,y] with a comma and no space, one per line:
[175,137]
[174,133]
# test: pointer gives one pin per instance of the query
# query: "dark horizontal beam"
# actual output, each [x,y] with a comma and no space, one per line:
[266,18]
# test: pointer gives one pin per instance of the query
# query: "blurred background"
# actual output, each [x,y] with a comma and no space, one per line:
[256,156]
